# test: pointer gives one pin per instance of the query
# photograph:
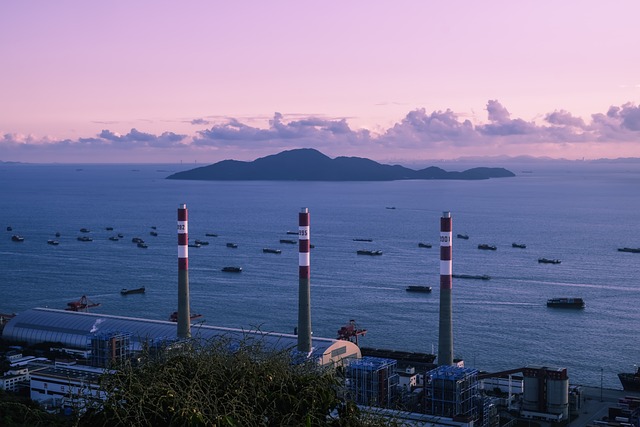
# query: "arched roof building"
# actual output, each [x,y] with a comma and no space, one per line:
[75,329]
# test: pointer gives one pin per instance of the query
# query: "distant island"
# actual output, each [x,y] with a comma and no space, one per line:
[307,164]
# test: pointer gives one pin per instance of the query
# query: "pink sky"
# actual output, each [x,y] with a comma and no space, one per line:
[160,81]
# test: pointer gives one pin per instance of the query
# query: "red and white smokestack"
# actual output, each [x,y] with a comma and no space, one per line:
[445,331]
[184,321]
[304,287]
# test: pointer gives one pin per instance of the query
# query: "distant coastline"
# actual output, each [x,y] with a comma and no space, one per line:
[307,164]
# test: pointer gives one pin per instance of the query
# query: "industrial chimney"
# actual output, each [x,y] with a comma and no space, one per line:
[184,325]
[445,331]
[304,288]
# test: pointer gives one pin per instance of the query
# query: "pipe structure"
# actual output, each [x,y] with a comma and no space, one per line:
[445,331]
[304,284]
[184,321]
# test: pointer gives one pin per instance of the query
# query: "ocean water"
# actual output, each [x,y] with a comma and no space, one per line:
[578,215]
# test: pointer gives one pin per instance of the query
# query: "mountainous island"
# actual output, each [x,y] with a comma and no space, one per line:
[307,164]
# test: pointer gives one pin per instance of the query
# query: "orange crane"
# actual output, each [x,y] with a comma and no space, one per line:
[81,305]
[350,332]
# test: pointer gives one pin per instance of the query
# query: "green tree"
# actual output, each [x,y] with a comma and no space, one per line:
[209,385]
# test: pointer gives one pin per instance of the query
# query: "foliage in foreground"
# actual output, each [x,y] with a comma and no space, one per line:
[209,385]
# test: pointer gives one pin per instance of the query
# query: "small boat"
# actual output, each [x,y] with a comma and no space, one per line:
[114,238]
[416,288]
[632,250]
[125,291]
[424,245]
[17,238]
[53,242]
[232,245]
[390,207]
[630,380]
[109,228]
[85,230]
[463,236]
[142,245]
[211,234]
[549,261]
[173,317]
[288,241]
[471,276]
[81,305]
[194,245]
[137,240]
[368,252]
[201,242]
[232,269]
[9,228]
[85,239]
[120,235]
[363,240]
[486,247]
[271,251]
[518,245]
[153,233]
[153,227]
[565,302]
[293,233]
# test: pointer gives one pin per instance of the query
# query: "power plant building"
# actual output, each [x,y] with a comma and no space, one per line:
[78,329]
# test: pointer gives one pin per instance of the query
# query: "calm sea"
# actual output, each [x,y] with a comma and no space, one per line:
[578,215]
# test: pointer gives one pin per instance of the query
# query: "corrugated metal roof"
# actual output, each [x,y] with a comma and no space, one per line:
[75,329]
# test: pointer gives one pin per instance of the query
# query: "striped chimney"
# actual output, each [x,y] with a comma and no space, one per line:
[304,286]
[184,321]
[445,332]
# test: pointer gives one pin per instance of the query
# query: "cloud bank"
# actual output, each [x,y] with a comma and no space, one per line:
[419,135]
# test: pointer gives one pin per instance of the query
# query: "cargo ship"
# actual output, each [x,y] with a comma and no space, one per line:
[630,380]
[566,302]
[417,288]
[125,291]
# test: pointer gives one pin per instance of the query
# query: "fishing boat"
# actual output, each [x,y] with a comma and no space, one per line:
[201,242]
[114,238]
[630,380]
[288,241]
[462,236]
[424,245]
[211,234]
[486,247]
[125,291]
[565,302]
[173,317]
[53,242]
[84,230]
[368,252]
[194,245]
[17,238]
[632,250]
[85,239]
[292,232]
[136,240]
[232,269]
[549,261]
[153,233]
[142,245]
[417,288]
[271,251]
[471,276]
[518,245]
[232,245]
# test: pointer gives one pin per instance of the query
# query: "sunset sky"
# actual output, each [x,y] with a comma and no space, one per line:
[159,81]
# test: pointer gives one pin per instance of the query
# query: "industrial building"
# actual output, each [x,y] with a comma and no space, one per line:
[79,329]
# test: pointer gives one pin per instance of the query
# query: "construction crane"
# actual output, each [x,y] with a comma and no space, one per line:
[350,332]
[81,305]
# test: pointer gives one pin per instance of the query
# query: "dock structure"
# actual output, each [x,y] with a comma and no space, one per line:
[445,327]
[184,325]
[304,283]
